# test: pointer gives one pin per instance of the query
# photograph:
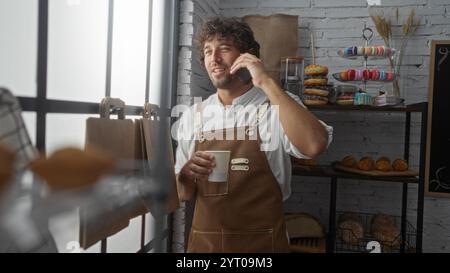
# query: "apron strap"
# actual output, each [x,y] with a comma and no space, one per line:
[198,122]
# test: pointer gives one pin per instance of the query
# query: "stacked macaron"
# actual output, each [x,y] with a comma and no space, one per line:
[380,51]
[364,74]
[316,88]
[362,98]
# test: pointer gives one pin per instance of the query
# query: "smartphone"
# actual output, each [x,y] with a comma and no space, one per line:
[244,75]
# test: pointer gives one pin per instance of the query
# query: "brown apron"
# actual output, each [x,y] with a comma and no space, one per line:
[244,214]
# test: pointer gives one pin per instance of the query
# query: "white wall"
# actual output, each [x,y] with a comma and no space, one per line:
[338,24]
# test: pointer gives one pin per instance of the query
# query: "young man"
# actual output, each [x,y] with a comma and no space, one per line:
[245,213]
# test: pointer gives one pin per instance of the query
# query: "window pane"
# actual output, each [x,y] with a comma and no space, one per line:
[65,229]
[78,31]
[18,42]
[64,130]
[127,240]
[129,54]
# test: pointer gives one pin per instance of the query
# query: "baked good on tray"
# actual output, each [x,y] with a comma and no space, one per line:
[383,164]
[349,161]
[366,163]
[400,165]
[304,162]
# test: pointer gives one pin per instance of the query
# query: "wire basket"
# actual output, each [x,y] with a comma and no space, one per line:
[354,234]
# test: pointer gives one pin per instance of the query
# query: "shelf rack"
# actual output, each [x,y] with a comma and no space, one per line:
[329,172]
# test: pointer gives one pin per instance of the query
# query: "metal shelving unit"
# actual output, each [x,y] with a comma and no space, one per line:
[335,176]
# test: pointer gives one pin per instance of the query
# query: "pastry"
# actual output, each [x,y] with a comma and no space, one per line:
[7,158]
[315,70]
[71,168]
[366,163]
[383,164]
[400,165]
[349,161]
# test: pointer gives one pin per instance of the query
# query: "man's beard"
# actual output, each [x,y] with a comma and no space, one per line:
[223,82]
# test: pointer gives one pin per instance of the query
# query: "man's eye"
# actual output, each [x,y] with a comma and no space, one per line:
[207,52]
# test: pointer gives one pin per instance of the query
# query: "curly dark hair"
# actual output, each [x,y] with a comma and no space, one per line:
[231,28]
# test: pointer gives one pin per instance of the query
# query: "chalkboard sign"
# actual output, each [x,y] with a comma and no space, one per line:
[437,170]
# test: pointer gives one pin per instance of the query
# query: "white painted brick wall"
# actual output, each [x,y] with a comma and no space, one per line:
[192,80]
[338,24]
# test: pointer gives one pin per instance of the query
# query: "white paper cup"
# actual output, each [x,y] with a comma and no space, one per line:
[220,171]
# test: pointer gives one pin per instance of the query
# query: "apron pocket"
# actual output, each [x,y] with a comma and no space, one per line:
[208,188]
[204,242]
[241,241]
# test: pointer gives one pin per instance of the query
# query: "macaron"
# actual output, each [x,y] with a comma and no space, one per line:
[343,75]
[359,75]
[367,51]
[382,75]
[351,74]
[360,50]
[366,74]
[349,51]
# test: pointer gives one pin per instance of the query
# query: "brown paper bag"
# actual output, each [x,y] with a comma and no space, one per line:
[277,37]
[121,139]
[150,129]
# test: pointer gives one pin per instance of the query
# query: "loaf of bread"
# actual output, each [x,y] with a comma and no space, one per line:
[71,168]
[349,161]
[303,225]
[400,165]
[350,228]
[7,158]
[384,230]
[383,164]
[366,163]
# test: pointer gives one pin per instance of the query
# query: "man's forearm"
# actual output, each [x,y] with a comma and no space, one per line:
[302,128]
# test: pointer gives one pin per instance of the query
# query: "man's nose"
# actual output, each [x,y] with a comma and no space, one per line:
[216,56]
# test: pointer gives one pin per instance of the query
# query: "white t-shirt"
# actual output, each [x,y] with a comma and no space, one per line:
[218,116]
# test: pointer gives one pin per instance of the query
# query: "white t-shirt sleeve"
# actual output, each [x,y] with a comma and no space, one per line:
[287,144]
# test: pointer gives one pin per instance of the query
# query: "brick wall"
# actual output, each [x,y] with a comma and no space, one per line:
[338,24]
[192,81]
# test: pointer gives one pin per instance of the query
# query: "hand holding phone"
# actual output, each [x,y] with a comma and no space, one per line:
[244,75]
